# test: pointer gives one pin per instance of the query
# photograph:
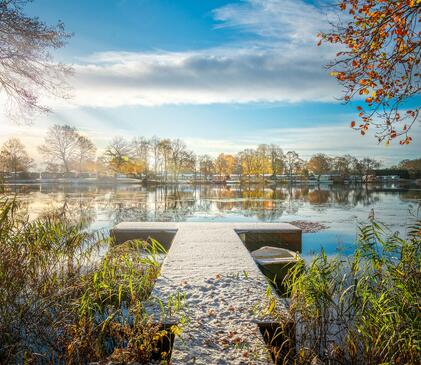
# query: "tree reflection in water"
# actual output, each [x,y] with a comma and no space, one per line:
[115,203]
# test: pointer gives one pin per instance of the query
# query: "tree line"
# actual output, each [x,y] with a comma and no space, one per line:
[66,150]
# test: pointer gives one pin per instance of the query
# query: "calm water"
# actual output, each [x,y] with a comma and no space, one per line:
[340,208]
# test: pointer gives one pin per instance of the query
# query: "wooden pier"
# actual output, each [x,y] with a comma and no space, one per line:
[227,298]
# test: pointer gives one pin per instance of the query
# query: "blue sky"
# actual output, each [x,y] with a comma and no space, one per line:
[221,74]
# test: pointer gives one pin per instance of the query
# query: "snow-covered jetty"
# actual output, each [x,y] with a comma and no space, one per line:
[226,299]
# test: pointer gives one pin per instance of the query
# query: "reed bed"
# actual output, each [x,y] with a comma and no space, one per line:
[63,302]
[363,309]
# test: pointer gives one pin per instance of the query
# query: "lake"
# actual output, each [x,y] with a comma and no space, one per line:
[340,208]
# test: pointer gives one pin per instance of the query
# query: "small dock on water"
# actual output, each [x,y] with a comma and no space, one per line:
[228,301]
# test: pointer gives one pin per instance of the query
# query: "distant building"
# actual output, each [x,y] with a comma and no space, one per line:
[218,179]
[234,179]
[331,179]
[355,179]
[388,178]
[369,178]
[403,174]
[46,175]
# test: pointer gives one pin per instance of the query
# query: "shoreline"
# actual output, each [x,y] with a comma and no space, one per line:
[132,181]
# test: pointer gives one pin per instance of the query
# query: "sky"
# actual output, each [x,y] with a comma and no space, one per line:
[222,75]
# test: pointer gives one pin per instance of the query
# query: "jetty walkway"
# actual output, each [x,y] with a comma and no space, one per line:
[227,299]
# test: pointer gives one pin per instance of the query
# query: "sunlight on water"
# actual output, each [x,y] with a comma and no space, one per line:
[340,208]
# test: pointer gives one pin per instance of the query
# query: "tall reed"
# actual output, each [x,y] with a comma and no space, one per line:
[364,309]
[68,297]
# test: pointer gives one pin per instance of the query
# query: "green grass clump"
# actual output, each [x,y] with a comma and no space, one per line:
[69,297]
[360,310]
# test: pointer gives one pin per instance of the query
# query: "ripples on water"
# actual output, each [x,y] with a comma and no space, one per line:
[340,208]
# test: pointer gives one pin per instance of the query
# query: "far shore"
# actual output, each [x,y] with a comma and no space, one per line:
[145,182]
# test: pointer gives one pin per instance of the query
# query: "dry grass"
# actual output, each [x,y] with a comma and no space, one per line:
[63,303]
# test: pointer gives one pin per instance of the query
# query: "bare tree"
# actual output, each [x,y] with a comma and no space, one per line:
[14,158]
[368,165]
[276,156]
[343,164]
[141,147]
[293,162]
[319,164]
[118,153]
[411,165]
[178,156]
[165,152]
[26,67]
[154,147]
[247,158]
[189,163]
[206,166]
[60,145]
[85,151]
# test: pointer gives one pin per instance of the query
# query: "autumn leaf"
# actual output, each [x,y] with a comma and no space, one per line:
[176,330]
[381,42]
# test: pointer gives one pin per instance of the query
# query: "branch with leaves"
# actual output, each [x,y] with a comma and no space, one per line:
[380,63]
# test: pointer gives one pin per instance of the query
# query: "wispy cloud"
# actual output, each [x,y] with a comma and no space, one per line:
[294,21]
[281,64]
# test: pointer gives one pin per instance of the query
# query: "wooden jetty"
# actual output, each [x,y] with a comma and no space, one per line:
[227,299]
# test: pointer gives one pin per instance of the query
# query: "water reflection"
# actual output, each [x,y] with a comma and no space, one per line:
[338,207]
[178,203]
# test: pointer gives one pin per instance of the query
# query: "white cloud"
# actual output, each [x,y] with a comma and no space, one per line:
[282,64]
[294,21]
[225,76]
